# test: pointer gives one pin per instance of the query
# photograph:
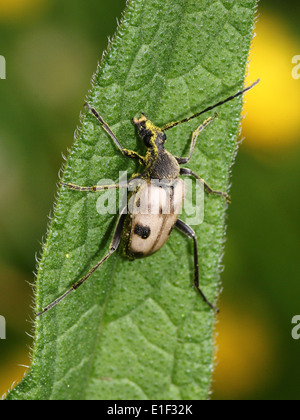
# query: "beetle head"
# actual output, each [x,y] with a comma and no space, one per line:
[150,134]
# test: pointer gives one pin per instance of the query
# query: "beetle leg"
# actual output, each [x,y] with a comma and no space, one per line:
[196,133]
[129,153]
[188,231]
[208,189]
[94,188]
[97,188]
[113,247]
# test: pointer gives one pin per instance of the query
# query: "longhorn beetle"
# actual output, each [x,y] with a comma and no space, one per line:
[142,233]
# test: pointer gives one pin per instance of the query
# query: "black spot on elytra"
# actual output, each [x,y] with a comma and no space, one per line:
[142,231]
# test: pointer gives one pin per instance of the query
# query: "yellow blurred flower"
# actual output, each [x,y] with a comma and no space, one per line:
[245,357]
[272,109]
[14,9]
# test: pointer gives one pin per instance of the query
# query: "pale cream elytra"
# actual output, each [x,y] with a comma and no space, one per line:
[154,211]
[153,208]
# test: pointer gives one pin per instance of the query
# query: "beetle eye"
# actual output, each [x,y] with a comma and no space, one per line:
[142,128]
[143,131]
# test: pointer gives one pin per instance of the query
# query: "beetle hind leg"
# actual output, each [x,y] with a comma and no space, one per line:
[188,231]
[113,247]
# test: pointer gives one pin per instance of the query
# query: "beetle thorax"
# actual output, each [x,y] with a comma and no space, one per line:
[163,166]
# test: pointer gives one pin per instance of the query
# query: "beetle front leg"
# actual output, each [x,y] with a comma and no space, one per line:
[128,153]
[188,231]
[182,160]
[208,189]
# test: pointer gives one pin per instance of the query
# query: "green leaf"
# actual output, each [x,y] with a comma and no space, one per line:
[138,330]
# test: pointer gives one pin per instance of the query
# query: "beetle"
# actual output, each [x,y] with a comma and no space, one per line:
[144,232]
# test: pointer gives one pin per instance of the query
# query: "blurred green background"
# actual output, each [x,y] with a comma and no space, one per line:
[51,49]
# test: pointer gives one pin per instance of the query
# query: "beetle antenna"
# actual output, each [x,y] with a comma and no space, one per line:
[241,92]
